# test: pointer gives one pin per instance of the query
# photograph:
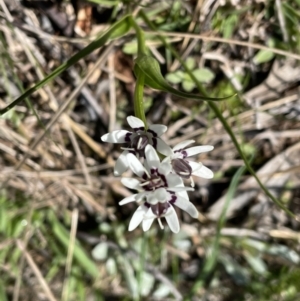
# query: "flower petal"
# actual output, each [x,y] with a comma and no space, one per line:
[202,172]
[135,165]
[182,145]
[115,136]
[182,194]
[198,149]
[121,164]
[195,165]
[158,129]
[151,157]
[131,183]
[187,206]
[135,123]
[172,220]
[127,200]
[148,220]
[161,195]
[174,180]
[137,217]
[163,148]
[165,168]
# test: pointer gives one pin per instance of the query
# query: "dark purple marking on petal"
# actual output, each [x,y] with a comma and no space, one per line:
[139,129]
[160,209]
[164,180]
[154,142]
[156,180]
[154,134]
[184,153]
[173,199]
[147,204]
[127,137]
[153,171]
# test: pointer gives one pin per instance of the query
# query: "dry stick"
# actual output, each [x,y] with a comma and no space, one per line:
[36,271]
[65,105]
[226,41]
[74,223]
[97,148]
[79,156]
[285,234]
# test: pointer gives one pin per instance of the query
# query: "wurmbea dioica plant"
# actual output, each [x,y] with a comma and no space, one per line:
[159,184]
[147,71]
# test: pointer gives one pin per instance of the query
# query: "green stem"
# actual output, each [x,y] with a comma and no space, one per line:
[140,37]
[216,110]
[139,110]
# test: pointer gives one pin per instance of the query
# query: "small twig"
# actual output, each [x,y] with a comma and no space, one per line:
[36,271]
[79,156]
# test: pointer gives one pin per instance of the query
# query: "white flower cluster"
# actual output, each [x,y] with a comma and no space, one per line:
[160,183]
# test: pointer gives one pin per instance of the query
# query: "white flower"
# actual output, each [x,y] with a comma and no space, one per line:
[137,141]
[160,188]
[185,168]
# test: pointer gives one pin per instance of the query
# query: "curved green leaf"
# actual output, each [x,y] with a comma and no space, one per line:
[154,79]
[117,30]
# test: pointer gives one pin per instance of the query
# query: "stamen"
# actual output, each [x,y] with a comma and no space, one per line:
[139,143]
[127,149]
[147,173]
[156,181]
[160,224]
[183,173]
[145,183]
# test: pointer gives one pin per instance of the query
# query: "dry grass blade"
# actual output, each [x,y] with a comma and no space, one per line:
[227,41]
[74,223]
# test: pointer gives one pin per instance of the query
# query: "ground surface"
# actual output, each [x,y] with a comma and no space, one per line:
[63,235]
